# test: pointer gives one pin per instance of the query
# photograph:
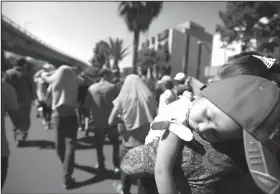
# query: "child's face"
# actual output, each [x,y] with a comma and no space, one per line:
[211,123]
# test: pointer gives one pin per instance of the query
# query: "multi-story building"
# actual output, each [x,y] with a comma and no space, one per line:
[220,55]
[189,46]
[126,71]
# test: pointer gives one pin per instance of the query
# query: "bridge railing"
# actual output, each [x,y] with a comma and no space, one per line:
[23,30]
[32,36]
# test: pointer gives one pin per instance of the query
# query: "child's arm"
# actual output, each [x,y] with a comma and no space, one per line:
[168,148]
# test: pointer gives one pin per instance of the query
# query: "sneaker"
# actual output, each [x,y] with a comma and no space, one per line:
[117,170]
[47,127]
[69,183]
[18,137]
[24,135]
[100,168]
[19,142]
[15,134]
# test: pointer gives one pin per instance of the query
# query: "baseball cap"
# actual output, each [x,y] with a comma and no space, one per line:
[254,103]
[179,76]
[165,79]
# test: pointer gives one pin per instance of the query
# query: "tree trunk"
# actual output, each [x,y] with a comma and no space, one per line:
[116,64]
[135,51]
[107,63]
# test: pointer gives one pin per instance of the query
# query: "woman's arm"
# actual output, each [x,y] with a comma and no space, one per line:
[167,152]
[113,118]
[50,76]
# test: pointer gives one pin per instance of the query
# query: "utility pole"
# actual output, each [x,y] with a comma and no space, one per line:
[199,58]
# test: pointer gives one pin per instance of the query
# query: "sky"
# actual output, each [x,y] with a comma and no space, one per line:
[74,27]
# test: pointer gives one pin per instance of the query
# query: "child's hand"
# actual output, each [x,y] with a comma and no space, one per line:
[174,118]
[178,111]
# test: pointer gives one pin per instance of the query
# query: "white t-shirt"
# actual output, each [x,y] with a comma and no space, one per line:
[171,117]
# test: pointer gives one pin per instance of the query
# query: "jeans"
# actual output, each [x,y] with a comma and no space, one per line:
[25,114]
[99,139]
[81,111]
[47,111]
[4,169]
[66,137]
[145,185]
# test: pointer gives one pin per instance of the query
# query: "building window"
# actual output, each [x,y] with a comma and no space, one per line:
[146,44]
[162,36]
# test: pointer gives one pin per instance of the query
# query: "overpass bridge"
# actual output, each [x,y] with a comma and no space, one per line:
[18,40]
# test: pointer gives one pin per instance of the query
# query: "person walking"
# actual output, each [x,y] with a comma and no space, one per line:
[99,105]
[42,95]
[64,85]
[19,78]
[134,108]
[82,93]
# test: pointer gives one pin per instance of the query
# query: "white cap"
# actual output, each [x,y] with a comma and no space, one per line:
[180,76]
[165,79]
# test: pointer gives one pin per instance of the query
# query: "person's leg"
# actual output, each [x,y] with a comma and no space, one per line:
[114,138]
[99,140]
[147,186]
[20,135]
[38,108]
[4,169]
[45,114]
[82,117]
[70,126]
[79,117]
[59,138]
[125,179]
[43,105]
[26,113]
[48,116]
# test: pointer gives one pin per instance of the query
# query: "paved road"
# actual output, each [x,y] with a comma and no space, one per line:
[35,168]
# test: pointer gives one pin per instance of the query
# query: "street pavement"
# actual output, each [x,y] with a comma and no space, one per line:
[35,168]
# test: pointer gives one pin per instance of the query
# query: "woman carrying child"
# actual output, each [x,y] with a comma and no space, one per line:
[135,109]
[204,136]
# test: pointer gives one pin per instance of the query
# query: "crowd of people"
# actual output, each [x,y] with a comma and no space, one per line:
[172,141]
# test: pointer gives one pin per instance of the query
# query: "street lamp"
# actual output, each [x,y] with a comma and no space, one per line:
[199,58]
[200,43]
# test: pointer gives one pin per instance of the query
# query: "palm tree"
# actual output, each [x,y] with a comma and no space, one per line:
[156,61]
[117,51]
[138,16]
